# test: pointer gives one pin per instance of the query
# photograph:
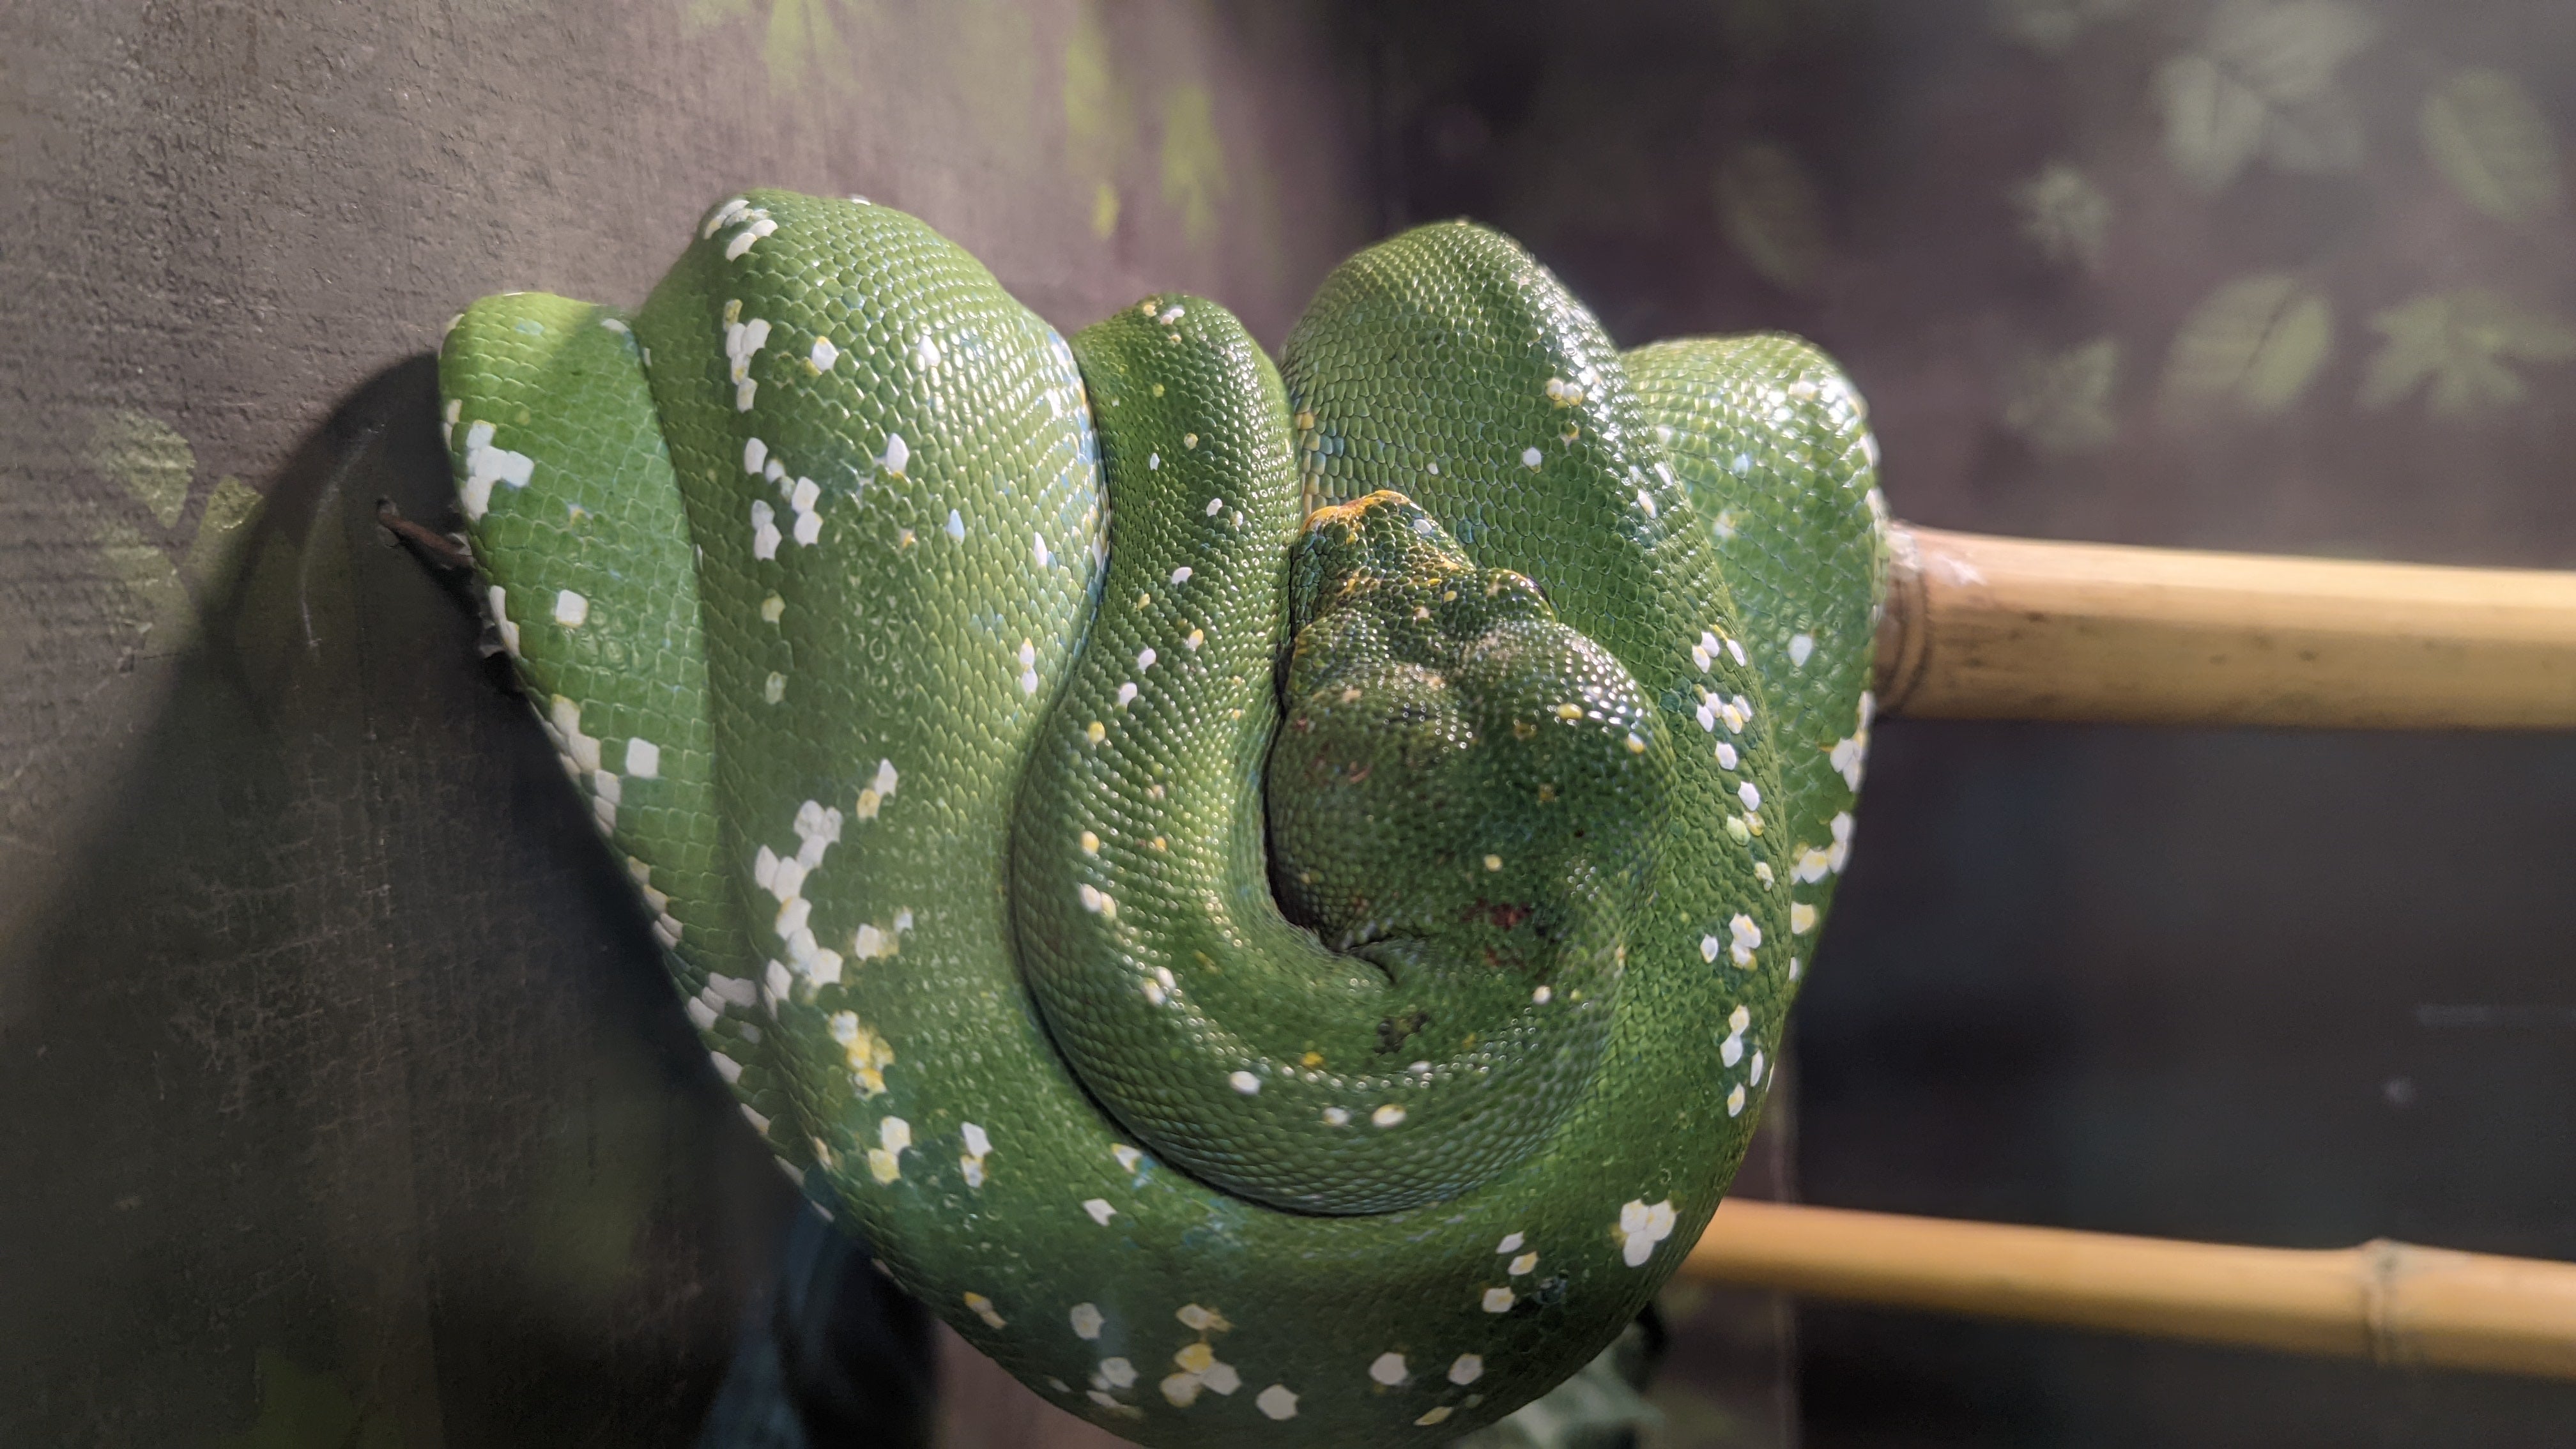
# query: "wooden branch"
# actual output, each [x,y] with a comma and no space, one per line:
[2004,628]
[2383,1301]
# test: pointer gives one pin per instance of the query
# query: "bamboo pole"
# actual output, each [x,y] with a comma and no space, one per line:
[2001,628]
[2388,1302]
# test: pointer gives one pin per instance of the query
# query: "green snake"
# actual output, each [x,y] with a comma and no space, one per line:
[1266,893]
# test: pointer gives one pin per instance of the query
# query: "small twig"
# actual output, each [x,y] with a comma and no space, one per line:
[437,547]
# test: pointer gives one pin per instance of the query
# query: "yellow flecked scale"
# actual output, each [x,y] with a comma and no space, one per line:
[1265,979]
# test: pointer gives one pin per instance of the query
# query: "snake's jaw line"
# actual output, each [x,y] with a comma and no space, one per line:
[1246,888]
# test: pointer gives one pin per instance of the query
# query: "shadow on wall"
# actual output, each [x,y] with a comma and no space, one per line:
[346,1098]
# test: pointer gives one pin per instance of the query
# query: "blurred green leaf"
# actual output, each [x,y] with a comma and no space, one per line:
[147,456]
[2064,214]
[2262,83]
[2061,403]
[799,38]
[2051,25]
[225,524]
[2288,51]
[2489,140]
[301,1409]
[1099,117]
[1194,175]
[2461,342]
[1600,1407]
[1773,214]
[2251,348]
[2213,122]
[1697,1419]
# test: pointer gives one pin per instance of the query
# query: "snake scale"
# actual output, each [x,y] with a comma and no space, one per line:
[1266,893]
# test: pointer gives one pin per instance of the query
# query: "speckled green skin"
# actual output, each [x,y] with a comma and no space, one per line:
[824,528]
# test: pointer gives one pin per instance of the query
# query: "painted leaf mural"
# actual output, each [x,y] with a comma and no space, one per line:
[2490,141]
[2061,403]
[2263,83]
[1194,176]
[2250,349]
[1099,119]
[1773,214]
[2460,348]
[156,468]
[148,456]
[2051,25]
[2064,214]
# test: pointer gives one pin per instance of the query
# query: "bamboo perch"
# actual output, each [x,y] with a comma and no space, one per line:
[2388,1302]
[2001,628]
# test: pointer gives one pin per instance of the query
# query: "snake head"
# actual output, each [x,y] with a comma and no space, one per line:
[1463,783]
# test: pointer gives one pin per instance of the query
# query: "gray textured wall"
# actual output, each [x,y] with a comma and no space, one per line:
[338,1100]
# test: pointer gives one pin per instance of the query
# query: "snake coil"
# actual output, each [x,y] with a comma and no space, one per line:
[1267,894]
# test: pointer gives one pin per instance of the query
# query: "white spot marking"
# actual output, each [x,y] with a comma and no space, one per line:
[486,465]
[1640,1228]
[1747,936]
[894,1135]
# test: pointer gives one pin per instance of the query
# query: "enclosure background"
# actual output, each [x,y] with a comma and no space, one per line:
[339,1101]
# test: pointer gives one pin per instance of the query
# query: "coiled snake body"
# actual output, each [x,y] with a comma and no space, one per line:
[1285,947]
